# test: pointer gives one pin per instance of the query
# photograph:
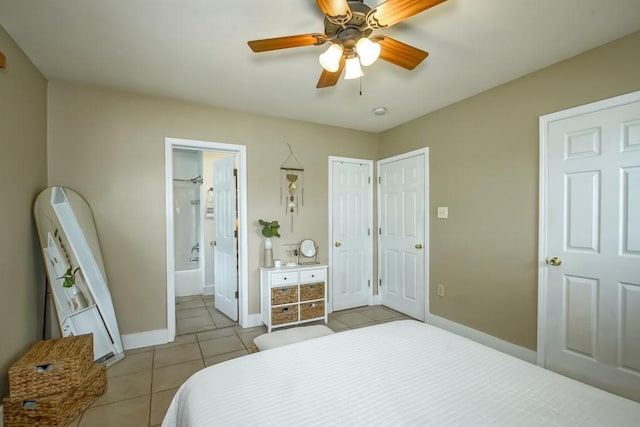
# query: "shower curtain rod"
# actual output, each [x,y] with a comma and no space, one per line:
[196,180]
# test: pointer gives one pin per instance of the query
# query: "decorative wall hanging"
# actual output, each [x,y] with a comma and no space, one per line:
[292,178]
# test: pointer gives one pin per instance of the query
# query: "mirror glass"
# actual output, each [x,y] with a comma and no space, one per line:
[308,248]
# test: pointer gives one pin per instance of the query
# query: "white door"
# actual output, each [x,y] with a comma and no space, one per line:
[225,261]
[590,299]
[402,242]
[351,237]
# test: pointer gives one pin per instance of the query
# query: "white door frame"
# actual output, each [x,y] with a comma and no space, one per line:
[545,122]
[243,281]
[369,163]
[427,244]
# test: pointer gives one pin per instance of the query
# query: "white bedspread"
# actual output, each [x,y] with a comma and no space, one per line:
[403,373]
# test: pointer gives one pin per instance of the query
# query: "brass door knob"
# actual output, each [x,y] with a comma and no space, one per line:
[338,244]
[555,261]
[418,245]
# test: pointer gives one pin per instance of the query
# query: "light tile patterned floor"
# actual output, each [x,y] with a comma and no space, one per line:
[197,313]
[141,386]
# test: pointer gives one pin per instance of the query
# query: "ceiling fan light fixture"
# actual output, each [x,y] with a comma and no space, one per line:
[368,51]
[353,69]
[330,59]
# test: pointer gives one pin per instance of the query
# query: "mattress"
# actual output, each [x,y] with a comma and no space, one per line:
[403,373]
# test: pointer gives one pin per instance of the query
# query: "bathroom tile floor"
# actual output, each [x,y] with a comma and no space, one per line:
[197,313]
[141,386]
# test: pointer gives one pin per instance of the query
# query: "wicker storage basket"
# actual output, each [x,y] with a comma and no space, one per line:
[58,409]
[51,367]
[284,314]
[311,291]
[311,310]
[285,295]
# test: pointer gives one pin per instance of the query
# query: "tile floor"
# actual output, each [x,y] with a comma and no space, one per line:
[141,386]
[197,313]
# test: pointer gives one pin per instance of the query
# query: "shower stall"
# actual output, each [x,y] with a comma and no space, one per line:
[188,233]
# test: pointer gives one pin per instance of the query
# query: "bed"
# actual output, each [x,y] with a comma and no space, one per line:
[402,373]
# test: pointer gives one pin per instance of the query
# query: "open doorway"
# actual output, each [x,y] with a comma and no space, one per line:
[206,235]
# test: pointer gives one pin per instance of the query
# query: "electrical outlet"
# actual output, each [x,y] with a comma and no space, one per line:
[440,290]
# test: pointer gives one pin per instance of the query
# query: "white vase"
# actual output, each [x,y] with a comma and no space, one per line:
[268,252]
[77,298]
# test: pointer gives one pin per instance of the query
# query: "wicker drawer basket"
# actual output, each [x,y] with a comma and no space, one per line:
[311,291]
[284,314]
[58,409]
[52,367]
[311,310]
[284,295]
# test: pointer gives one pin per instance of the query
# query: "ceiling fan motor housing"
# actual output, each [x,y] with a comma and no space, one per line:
[349,33]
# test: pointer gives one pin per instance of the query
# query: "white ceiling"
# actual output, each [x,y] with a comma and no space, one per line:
[196,50]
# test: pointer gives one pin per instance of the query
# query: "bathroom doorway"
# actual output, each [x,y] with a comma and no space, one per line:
[206,195]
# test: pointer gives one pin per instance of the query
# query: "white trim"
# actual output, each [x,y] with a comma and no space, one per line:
[208,290]
[483,338]
[243,270]
[146,339]
[252,320]
[427,246]
[544,123]
[369,163]
[376,300]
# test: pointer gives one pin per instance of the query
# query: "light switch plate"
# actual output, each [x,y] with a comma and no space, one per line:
[443,212]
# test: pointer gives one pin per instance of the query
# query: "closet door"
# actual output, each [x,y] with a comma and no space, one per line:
[351,232]
[402,233]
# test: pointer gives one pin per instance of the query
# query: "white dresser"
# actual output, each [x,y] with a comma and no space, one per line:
[292,295]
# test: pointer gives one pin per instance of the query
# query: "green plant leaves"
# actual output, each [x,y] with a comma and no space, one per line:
[269,228]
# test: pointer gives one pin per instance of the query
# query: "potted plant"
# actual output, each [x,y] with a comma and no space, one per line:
[269,230]
[69,281]
[69,277]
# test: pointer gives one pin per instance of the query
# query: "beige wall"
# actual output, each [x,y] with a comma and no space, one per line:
[484,167]
[109,146]
[23,174]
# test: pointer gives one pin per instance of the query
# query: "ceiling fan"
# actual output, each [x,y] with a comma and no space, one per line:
[348,27]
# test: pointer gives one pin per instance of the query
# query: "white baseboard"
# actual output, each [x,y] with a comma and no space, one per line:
[483,338]
[145,339]
[252,320]
[207,290]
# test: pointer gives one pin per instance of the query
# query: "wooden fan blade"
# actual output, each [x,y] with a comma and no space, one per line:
[337,11]
[399,53]
[286,42]
[328,79]
[391,12]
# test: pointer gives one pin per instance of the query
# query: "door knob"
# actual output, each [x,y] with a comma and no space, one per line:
[555,261]
[212,243]
[338,244]
[418,245]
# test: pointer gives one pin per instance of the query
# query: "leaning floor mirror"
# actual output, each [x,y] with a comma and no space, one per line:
[77,279]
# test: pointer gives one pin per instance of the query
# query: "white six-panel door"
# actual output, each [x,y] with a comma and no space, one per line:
[351,232]
[225,261]
[590,279]
[402,241]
